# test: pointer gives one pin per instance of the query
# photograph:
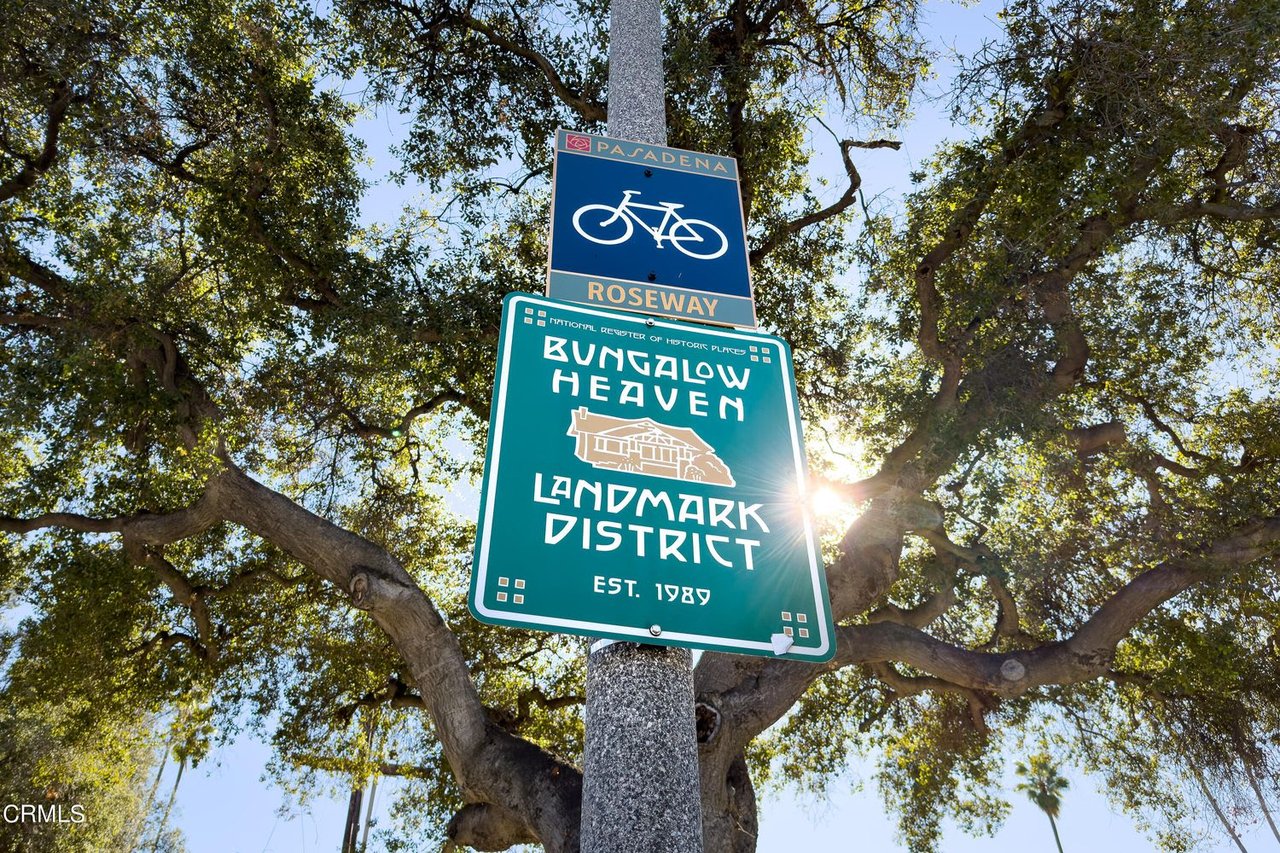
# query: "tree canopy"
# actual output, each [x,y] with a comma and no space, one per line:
[237,411]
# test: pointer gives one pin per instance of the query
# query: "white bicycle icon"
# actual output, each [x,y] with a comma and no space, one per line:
[610,225]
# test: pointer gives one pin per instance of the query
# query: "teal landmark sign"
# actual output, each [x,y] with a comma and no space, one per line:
[645,481]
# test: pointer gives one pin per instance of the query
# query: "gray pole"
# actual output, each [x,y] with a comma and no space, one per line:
[637,104]
[640,780]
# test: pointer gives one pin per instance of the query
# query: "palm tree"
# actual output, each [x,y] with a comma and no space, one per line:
[1044,787]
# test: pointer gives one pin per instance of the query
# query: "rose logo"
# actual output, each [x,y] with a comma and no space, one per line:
[578,143]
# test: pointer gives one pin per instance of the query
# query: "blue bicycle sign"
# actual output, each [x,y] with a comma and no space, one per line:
[618,208]
[610,225]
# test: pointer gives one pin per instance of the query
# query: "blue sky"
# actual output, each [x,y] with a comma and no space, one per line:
[227,805]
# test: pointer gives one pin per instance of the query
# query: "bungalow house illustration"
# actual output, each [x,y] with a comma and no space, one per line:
[644,446]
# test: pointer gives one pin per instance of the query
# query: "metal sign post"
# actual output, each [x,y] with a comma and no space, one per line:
[640,789]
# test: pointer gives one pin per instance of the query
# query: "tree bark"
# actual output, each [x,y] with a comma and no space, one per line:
[537,794]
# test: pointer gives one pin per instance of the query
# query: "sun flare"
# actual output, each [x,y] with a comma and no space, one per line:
[827,504]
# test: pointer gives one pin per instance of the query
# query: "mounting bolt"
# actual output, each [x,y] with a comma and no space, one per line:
[648,173]
[649,322]
[653,276]
[655,630]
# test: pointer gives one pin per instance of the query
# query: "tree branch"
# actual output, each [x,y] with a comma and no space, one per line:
[394,693]
[484,826]
[1229,211]
[490,764]
[837,207]
[753,694]
[31,320]
[1034,131]
[1149,409]
[1008,625]
[1086,654]
[167,640]
[60,100]
[1092,440]
[184,593]
[920,616]
[588,110]
[524,704]
[248,578]
[66,520]
[367,430]
[903,686]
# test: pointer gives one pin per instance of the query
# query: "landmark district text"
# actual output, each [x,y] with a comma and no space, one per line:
[730,548]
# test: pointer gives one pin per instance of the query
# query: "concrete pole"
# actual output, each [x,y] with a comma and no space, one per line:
[637,102]
[640,776]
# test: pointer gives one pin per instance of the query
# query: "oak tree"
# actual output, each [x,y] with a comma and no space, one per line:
[237,409]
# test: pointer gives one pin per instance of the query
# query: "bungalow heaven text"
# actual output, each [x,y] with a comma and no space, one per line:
[718,380]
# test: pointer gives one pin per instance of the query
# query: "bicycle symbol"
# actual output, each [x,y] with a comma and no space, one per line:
[610,225]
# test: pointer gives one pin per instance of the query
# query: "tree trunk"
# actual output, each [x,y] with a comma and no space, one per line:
[368,814]
[173,795]
[1217,809]
[1054,825]
[742,807]
[351,829]
[1262,800]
